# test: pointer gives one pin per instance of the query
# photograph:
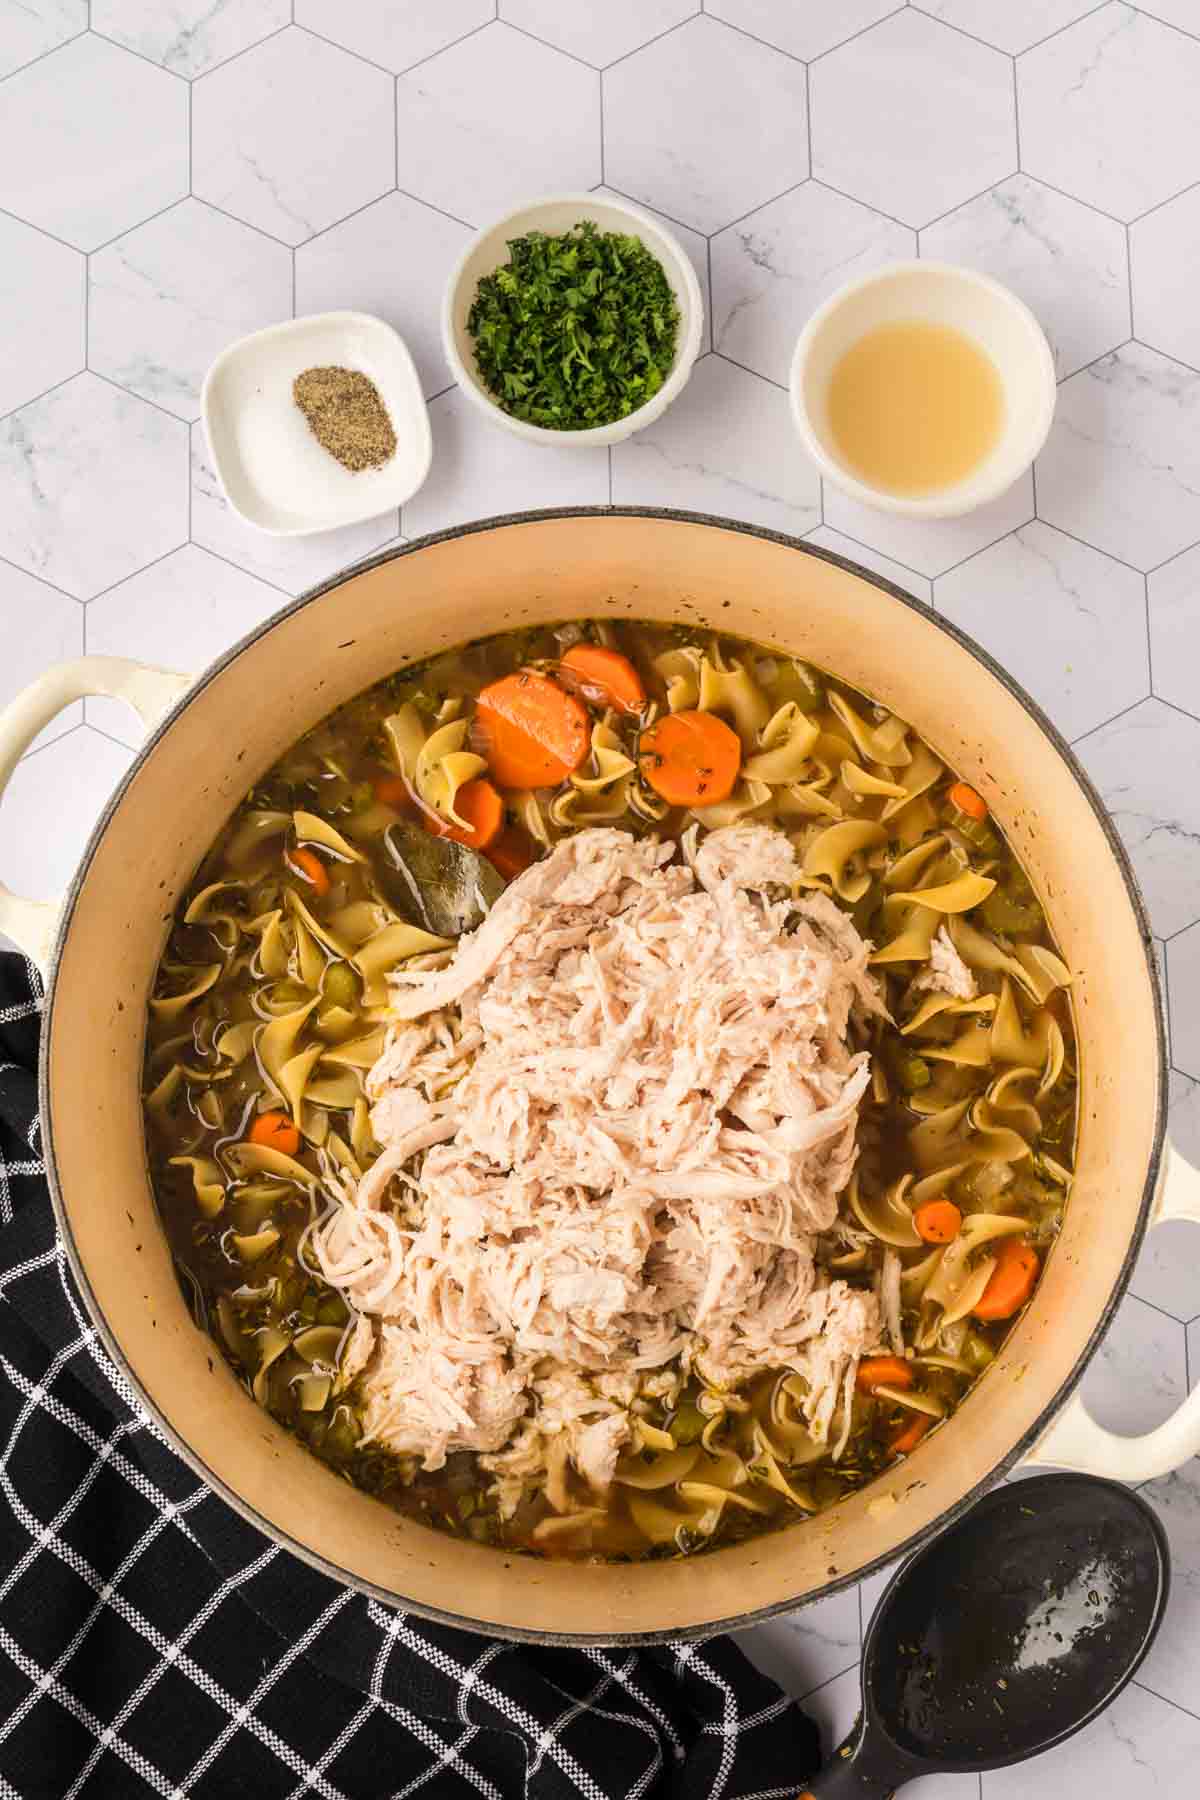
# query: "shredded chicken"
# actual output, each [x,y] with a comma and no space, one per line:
[635,1103]
[947,972]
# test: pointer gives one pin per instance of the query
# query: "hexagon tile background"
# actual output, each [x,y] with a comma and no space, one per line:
[174,173]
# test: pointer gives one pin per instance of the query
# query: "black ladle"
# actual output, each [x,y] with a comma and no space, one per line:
[1010,1631]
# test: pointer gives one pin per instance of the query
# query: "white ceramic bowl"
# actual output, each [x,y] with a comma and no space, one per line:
[941,294]
[273,470]
[556,214]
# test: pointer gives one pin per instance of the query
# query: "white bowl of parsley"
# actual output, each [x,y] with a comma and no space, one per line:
[577,319]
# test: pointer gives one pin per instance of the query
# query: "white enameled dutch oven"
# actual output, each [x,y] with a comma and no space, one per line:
[210,737]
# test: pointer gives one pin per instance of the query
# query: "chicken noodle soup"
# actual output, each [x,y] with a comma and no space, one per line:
[610,1089]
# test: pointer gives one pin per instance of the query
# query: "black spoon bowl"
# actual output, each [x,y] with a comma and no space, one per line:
[1012,1630]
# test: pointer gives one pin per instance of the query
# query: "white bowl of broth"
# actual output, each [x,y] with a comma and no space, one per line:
[923,389]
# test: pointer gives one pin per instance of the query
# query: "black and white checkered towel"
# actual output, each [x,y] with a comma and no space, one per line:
[151,1642]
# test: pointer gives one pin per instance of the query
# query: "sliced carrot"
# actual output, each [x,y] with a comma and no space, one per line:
[532,732]
[910,1435]
[938,1221]
[310,868]
[968,801]
[1012,1281]
[883,1371]
[512,852]
[604,677]
[479,803]
[276,1131]
[392,790]
[691,758]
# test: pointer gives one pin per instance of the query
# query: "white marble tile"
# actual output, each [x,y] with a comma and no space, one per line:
[68,783]
[1183,1117]
[38,626]
[695,248]
[1172,1668]
[833,1707]
[1144,765]
[292,564]
[1174,592]
[913,118]
[264,127]
[1183,975]
[1069,623]
[86,171]
[464,141]
[677,132]
[598,34]
[188,36]
[804,28]
[943,1787]
[773,269]
[804,1649]
[908,579]
[164,299]
[1121,467]
[395,36]
[480,469]
[752,467]
[1012,25]
[29,28]
[1180,13]
[1164,251]
[931,546]
[1139,1374]
[41,313]
[94,484]
[1140,1746]
[1167,1273]
[1066,261]
[392,259]
[1108,111]
[179,614]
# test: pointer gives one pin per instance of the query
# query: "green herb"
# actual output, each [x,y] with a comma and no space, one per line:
[1000,913]
[575,330]
[913,1072]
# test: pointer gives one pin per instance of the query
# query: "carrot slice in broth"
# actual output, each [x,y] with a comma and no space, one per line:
[691,758]
[531,731]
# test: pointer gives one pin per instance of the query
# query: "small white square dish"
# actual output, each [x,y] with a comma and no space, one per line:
[275,473]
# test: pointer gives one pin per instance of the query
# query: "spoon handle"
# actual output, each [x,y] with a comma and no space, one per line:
[859,1769]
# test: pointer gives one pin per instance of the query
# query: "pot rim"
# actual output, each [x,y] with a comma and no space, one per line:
[736,1622]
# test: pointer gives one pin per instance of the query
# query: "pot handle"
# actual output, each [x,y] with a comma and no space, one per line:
[1075,1440]
[32,924]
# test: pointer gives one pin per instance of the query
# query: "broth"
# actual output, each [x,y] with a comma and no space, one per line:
[915,407]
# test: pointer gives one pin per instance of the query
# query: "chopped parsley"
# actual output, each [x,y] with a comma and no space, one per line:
[576,330]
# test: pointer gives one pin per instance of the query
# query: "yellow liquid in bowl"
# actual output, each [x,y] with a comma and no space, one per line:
[915,407]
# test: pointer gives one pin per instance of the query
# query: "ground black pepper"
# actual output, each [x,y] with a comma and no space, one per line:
[347,416]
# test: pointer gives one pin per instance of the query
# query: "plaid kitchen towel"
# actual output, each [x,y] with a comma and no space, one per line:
[153,1643]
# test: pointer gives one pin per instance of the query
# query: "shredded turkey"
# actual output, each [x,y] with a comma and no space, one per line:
[613,1129]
